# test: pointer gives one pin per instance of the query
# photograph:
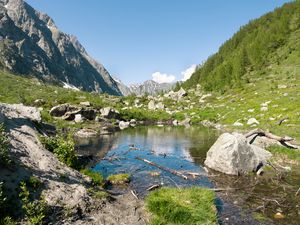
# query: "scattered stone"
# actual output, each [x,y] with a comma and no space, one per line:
[185,122]
[151,105]
[109,113]
[78,118]
[61,110]
[251,110]
[175,122]
[160,106]
[39,102]
[252,121]
[281,86]
[87,104]
[85,133]
[231,154]
[264,108]
[238,124]
[123,124]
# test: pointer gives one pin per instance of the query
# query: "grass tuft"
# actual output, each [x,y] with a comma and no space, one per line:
[182,206]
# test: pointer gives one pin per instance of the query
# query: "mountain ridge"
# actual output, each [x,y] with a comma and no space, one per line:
[31,44]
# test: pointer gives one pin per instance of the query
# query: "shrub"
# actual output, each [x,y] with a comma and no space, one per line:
[4,146]
[96,177]
[63,149]
[35,210]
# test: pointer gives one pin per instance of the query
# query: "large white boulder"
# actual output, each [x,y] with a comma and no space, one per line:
[232,154]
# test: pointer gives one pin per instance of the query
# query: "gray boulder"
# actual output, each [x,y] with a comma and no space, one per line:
[109,113]
[123,124]
[61,110]
[151,105]
[232,154]
[185,122]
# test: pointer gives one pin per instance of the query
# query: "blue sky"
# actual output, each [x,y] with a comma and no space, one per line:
[135,39]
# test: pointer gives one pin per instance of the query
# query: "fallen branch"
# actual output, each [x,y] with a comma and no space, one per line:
[297,192]
[282,140]
[259,132]
[155,186]
[134,194]
[163,168]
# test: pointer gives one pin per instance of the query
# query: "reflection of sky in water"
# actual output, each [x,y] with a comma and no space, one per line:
[182,146]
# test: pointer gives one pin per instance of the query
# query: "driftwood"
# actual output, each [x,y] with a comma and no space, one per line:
[134,194]
[282,140]
[153,187]
[163,168]
[297,192]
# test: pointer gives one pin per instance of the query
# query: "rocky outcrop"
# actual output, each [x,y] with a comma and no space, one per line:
[31,44]
[232,154]
[63,187]
[71,112]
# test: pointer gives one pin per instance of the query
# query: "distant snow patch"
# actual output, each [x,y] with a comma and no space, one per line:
[70,86]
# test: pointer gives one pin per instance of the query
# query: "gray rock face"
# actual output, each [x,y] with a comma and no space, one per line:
[61,110]
[148,87]
[31,44]
[231,154]
[176,95]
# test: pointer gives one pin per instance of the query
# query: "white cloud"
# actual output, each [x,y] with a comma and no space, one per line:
[163,77]
[188,72]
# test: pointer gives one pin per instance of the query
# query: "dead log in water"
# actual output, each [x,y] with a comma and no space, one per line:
[163,168]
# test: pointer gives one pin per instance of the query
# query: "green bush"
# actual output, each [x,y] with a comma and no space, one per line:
[4,147]
[35,210]
[96,177]
[182,206]
[63,148]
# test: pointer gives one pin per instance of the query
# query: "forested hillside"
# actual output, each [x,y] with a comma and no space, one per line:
[270,40]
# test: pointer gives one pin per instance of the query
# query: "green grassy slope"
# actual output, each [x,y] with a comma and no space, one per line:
[262,43]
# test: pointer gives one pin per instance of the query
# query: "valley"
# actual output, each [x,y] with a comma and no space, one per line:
[78,146]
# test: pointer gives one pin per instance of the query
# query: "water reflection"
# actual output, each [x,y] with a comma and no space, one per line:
[178,148]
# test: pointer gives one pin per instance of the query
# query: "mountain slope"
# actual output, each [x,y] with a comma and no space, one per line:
[260,44]
[148,87]
[31,44]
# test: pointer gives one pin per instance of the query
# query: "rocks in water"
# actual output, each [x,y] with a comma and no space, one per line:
[232,154]
[123,124]
[85,133]
[133,122]
[185,122]
[175,122]
[252,121]
[109,113]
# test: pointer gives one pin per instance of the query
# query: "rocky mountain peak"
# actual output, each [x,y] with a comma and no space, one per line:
[31,44]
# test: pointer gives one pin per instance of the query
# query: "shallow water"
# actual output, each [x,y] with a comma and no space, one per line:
[184,149]
[178,148]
